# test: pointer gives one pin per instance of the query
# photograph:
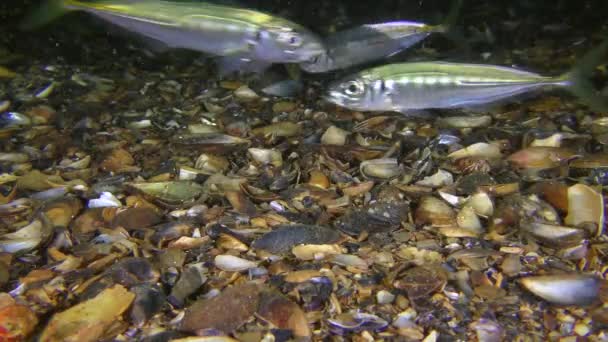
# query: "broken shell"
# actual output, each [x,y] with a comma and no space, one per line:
[61,212]
[231,263]
[465,121]
[356,322]
[176,192]
[319,179]
[17,322]
[488,331]
[334,136]
[381,168]
[284,237]
[301,276]
[211,164]
[377,217]
[89,320]
[210,142]
[266,156]
[593,168]
[457,232]
[7,178]
[585,205]
[541,157]
[440,179]
[225,312]
[478,150]
[245,93]
[226,241]
[482,204]
[511,265]
[349,260]
[14,157]
[149,300]
[316,252]
[384,297]
[14,119]
[283,107]
[258,194]
[205,339]
[119,160]
[555,140]
[106,199]
[565,289]
[28,237]
[420,281]
[277,309]
[358,189]
[467,219]
[279,129]
[555,235]
[453,200]
[434,211]
[186,173]
[219,184]
[240,202]
[576,252]
[190,280]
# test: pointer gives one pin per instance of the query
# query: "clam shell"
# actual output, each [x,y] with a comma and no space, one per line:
[565,289]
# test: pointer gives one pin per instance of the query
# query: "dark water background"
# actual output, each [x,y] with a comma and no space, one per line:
[496,27]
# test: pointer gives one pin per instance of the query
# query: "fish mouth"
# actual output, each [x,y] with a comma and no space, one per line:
[334,97]
[303,55]
[311,51]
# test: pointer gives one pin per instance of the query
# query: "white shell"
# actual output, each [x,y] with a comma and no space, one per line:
[334,136]
[232,263]
[481,150]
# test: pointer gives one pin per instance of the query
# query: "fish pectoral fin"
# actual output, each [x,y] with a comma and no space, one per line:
[394,53]
[230,64]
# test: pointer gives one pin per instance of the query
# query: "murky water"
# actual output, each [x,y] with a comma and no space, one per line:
[145,196]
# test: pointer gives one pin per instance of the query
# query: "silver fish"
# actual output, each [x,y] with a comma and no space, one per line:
[370,42]
[218,30]
[408,87]
[367,43]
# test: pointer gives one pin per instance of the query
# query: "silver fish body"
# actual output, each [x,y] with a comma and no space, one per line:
[204,36]
[414,86]
[367,43]
[213,29]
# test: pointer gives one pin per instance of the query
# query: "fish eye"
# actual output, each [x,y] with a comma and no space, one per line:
[294,41]
[353,88]
[290,38]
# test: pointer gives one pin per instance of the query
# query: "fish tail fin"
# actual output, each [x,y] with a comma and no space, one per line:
[449,28]
[578,79]
[46,13]
[450,20]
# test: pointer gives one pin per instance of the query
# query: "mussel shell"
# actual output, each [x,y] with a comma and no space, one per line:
[356,322]
[553,235]
[373,218]
[284,237]
[565,289]
[14,120]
